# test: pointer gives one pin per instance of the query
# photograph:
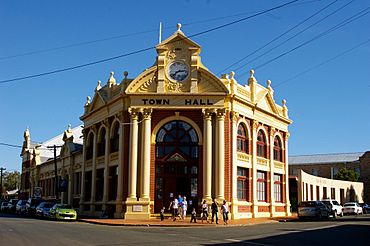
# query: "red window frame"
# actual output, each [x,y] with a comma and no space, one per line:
[242,140]
[278,150]
[278,187]
[243,180]
[261,144]
[261,186]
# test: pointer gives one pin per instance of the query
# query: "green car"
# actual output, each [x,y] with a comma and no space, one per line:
[62,212]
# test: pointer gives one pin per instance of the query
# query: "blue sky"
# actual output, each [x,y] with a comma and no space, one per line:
[329,105]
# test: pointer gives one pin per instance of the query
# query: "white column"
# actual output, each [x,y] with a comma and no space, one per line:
[119,197]
[234,183]
[132,168]
[70,182]
[287,201]
[220,153]
[82,191]
[272,198]
[254,168]
[93,173]
[207,155]
[106,164]
[145,165]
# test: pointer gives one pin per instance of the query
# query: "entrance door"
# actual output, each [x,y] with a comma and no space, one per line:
[176,166]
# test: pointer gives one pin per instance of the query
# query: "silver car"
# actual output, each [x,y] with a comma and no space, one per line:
[313,209]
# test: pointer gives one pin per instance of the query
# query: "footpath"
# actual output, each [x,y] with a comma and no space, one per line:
[167,222]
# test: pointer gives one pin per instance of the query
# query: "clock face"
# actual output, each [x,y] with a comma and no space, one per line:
[178,71]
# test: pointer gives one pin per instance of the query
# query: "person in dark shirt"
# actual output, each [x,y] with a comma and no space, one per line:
[214,208]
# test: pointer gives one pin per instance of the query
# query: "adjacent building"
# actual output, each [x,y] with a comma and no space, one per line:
[176,129]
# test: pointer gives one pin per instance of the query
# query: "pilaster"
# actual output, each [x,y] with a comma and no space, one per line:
[207,155]
[234,195]
[286,185]
[272,198]
[254,167]
[106,163]
[220,153]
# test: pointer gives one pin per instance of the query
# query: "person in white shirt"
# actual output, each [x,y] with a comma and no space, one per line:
[184,208]
[225,211]
[175,206]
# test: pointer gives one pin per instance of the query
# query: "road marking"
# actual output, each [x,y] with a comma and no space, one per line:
[319,228]
[261,244]
[233,240]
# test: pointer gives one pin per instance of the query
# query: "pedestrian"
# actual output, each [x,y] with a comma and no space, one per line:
[175,206]
[184,208]
[225,211]
[214,208]
[180,201]
[204,211]
[162,213]
[193,216]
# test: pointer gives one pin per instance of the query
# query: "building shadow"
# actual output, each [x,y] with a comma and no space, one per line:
[339,235]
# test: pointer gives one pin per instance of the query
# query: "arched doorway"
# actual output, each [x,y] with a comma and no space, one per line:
[176,164]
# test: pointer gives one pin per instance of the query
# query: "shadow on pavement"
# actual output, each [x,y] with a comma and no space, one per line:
[339,235]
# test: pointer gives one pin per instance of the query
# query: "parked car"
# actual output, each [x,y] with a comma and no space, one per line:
[42,210]
[62,212]
[31,205]
[11,205]
[365,208]
[313,209]
[4,207]
[334,206]
[20,208]
[352,208]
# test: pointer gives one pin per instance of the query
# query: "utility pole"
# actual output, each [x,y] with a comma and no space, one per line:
[1,181]
[55,170]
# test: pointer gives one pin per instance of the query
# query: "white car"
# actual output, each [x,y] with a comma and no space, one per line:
[352,208]
[334,206]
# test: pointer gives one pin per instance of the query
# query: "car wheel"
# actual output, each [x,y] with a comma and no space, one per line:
[335,214]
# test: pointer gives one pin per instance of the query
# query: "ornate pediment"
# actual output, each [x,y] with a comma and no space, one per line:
[177,157]
[266,102]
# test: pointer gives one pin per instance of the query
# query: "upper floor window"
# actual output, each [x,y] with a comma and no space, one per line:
[90,146]
[114,141]
[261,144]
[101,143]
[278,150]
[242,141]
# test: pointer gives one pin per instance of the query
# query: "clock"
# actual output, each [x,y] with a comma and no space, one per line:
[178,71]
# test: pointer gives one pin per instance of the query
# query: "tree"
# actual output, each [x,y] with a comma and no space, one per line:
[347,175]
[11,180]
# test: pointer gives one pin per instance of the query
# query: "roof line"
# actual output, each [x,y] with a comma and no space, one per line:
[361,152]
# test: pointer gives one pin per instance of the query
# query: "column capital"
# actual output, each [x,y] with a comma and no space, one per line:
[147,113]
[287,135]
[106,122]
[207,113]
[272,131]
[234,116]
[134,113]
[220,113]
[255,124]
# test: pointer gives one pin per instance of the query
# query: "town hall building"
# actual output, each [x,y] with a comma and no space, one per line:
[176,129]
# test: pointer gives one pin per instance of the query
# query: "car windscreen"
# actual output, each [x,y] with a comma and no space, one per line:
[65,206]
[307,204]
[335,203]
[349,204]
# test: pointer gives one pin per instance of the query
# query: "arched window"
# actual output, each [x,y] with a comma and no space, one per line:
[101,143]
[242,141]
[114,141]
[278,150]
[90,146]
[261,144]
[177,137]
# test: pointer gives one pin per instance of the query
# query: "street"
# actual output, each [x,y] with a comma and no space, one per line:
[349,230]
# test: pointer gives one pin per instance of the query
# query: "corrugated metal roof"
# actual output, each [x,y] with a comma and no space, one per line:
[324,158]
[58,140]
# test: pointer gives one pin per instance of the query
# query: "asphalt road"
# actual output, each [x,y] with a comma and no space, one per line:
[350,230]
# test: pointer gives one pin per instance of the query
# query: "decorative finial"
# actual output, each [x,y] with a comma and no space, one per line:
[98,87]
[26,133]
[284,102]
[285,108]
[232,74]
[111,80]
[251,72]
[69,128]
[125,73]
[269,86]
[88,101]
[178,26]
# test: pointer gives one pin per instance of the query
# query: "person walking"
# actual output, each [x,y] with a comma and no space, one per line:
[225,212]
[193,216]
[162,213]
[205,211]
[184,208]
[175,206]
[180,204]
[214,208]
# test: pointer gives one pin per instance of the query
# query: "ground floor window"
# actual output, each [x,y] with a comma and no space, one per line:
[261,186]
[243,183]
[278,188]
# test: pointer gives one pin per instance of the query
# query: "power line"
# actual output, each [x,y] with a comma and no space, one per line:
[132,34]
[323,63]
[144,49]
[276,38]
[295,35]
[342,24]
[11,145]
